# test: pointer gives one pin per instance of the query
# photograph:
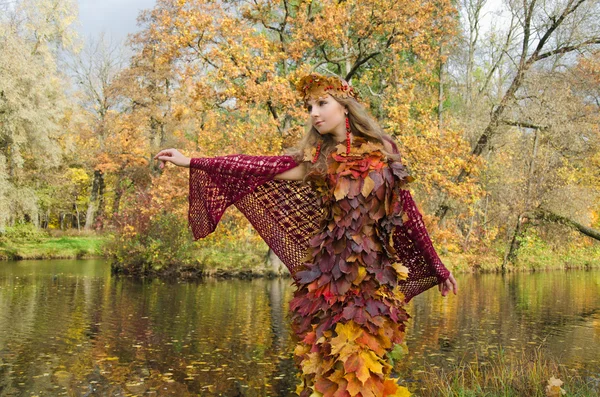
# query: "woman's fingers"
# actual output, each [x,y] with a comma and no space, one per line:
[448,285]
[454,284]
[166,155]
[172,155]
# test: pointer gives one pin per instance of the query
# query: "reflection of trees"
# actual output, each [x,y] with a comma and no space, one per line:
[121,336]
[516,311]
[280,294]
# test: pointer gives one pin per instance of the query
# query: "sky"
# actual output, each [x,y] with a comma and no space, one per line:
[116,18]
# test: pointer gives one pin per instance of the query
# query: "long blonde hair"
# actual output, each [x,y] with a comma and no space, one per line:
[362,124]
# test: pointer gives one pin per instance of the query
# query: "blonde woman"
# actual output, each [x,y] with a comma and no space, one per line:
[336,211]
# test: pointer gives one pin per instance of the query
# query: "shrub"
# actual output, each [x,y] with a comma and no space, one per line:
[25,231]
[148,241]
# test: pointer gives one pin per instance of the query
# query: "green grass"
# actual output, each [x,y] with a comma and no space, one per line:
[27,242]
[534,254]
[52,247]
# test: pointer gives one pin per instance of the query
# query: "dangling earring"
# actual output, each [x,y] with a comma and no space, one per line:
[314,160]
[347,135]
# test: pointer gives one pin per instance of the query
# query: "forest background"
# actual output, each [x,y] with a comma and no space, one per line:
[500,130]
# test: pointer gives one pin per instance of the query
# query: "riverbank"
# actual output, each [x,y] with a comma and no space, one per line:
[497,373]
[250,262]
[64,247]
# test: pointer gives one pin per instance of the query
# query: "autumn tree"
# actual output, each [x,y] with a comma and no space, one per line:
[217,77]
[545,33]
[33,107]
[514,85]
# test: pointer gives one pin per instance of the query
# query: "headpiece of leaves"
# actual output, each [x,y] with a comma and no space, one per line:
[315,86]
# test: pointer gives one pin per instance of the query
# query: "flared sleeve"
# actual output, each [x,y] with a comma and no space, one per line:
[217,182]
[411,241]
[285,213]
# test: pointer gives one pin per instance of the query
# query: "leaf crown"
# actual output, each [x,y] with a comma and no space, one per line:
[315,86]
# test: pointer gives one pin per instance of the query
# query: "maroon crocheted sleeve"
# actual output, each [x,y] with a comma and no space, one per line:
[414,248]
[415,231]
[218,182]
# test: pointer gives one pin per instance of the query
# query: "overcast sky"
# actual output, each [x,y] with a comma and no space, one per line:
[116,18]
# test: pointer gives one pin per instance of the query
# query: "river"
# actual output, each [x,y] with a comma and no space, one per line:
[69,327]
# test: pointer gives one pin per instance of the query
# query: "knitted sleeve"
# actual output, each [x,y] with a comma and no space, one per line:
[417,233]
[411,240]
[217,182]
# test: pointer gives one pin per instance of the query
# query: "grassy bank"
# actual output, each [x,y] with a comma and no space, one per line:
[249,260]
[534,254]
[52,247]
[497,374]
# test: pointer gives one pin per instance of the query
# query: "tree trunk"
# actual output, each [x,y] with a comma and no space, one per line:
[96,206]
[77,217]
[441,94]
[514,244]
[549,216]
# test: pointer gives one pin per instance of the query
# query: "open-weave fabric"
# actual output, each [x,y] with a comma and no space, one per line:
[286,213]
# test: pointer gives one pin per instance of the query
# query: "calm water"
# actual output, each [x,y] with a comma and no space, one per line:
[67,327]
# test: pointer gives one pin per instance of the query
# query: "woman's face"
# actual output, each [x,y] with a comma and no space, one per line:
[327,115]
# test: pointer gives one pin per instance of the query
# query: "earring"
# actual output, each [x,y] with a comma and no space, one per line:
[316,156]
[347,135]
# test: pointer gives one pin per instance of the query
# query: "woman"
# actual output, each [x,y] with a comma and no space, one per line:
[335,210]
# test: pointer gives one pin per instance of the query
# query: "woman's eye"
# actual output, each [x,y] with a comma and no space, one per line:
[309,108]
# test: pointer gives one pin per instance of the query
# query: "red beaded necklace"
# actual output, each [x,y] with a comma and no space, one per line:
[316,156]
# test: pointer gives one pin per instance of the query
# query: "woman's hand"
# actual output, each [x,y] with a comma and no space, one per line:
[448,285]
[174,156]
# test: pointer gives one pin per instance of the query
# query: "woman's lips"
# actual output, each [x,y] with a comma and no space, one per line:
[319,122]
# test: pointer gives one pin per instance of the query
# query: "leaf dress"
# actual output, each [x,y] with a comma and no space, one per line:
[348,311]
[355,244]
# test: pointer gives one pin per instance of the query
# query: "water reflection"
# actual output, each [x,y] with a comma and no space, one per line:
[70,328]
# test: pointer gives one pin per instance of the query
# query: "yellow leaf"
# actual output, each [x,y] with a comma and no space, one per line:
[341,148]
[368,185]
[372,361]
[392,389]
[347,332]
[354,386]
[342,188]
[301,349]
[362,272]
[401,270]
[312,364]
[309,153]
[343,344]
[553,388]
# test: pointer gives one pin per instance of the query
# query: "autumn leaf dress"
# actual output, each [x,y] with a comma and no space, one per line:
[347,310]
[355,244]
